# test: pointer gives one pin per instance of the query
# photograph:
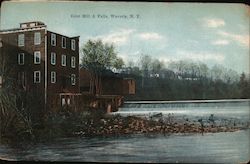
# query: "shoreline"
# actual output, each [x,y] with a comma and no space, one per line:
[67,125]
[118,126]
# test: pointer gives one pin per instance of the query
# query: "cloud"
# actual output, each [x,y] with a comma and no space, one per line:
[213,22]
[130,56]
[201,56]
[150,36]
[220,42]
[243,40]
[119,37]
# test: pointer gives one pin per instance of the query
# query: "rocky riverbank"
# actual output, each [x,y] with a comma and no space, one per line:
[117,125]
[91,124]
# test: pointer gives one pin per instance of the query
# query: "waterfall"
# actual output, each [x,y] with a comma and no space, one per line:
[184,104]
[231,107]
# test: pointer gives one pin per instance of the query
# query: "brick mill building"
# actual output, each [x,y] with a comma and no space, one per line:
[45,65]
[42,62]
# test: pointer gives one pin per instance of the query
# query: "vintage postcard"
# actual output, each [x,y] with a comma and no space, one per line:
[127,82]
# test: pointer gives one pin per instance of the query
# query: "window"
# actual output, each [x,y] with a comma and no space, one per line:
[37,76]
[63,42]
[53,77]
[37,57]
[73,44]
[63,60]
[73,79]
[37,38]
[53,58]
[21,40]
[23,25]
[21,58]
[68,101]
[73,62]
[32,24]
[63,101]
[53,39]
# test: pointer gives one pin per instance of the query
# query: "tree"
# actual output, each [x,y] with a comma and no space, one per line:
[118,63]
[98,57]
[187,79]
[244,86]
[179,67]
[157,66]
[6,66]
[15,120]
[131,63]
[215,73]
[145,63]
[203,70]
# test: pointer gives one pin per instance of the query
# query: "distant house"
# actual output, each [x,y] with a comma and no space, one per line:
[42,61]
[112,83]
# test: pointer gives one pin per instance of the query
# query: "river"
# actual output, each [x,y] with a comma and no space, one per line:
[226,147]
[229,109]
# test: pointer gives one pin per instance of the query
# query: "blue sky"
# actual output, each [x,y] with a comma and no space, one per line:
[210,33]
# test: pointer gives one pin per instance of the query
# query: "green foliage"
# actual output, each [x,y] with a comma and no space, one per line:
[118,63]
[98,57]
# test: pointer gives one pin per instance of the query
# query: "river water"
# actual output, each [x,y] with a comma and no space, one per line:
[237,109]
[226,147]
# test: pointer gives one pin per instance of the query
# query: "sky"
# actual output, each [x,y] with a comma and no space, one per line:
[201,32]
